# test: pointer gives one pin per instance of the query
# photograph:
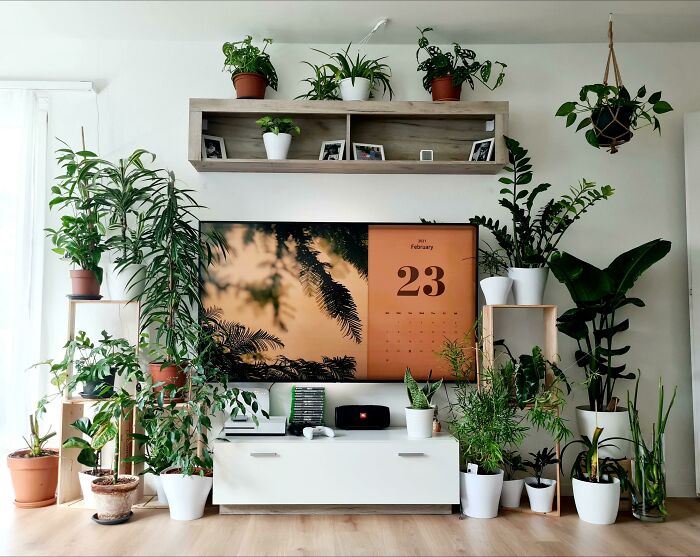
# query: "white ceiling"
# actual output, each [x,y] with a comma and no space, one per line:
[333,21]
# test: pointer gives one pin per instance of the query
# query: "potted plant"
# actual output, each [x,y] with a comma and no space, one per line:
[613,115]
[540,491]
[322,83]
[97,433]
[512,487]
[357,78]
[277,135]
[446,72]
[596,481]
[251,68]
[594,323]
[420,413]
[123,191]
[494,264]
[79,238]
[648,487]
[535,232]
[34,470]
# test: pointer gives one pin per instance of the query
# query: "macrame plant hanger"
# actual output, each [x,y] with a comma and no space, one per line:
[615,123]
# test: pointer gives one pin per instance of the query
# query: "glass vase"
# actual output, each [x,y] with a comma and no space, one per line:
[648,484]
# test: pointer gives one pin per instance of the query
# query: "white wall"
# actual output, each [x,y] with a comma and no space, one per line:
[144,88]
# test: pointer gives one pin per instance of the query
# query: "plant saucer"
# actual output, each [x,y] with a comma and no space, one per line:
[114,521]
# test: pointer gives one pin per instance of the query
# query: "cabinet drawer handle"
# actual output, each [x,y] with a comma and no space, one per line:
[411,454]
[263,454]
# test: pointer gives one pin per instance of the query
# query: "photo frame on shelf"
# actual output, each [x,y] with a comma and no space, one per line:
[213,147]
[368,152]
[333,150]
[482,150]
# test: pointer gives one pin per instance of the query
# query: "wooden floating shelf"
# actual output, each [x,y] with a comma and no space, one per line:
[403,128]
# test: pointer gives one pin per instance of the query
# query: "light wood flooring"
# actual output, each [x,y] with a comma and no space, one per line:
[61,531]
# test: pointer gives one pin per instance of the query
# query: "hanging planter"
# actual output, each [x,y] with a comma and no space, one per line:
[613,115]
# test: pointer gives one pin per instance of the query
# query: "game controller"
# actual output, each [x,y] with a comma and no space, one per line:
[309,432]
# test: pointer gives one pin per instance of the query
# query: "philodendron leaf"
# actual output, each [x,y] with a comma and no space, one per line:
[570,119]
[583,123]
[661,107]
[592,138]
[566,109]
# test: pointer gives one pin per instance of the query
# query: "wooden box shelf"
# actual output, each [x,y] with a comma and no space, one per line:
[404,128]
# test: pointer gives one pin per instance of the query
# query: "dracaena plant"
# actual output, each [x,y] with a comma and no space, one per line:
[278,125]
[344,66]
[461,64]
[540,460]
[535,232]
[244,57]
[323,86]
[589,467]
[420,398]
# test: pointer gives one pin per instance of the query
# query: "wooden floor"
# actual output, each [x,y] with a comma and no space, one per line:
[61,531]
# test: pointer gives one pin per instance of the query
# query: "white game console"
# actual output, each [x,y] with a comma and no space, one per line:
[275,425]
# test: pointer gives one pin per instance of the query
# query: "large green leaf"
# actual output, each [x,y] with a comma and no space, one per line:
[585,282]
[628,267]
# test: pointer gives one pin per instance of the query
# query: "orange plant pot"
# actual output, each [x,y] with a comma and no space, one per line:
[34,478]
[168,375]
[444,90]
[249,85]
[84,283]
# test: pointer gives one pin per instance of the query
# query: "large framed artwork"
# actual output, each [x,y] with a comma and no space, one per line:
[295,301]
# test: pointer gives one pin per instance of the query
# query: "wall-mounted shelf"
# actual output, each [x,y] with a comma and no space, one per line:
[404,128]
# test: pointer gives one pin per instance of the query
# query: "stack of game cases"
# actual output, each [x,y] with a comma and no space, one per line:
[307,405]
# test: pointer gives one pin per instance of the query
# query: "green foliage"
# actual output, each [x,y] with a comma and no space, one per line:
[493,262]
[512,464]
[420,398]
[461,64]
[649,485]
[535,234]
[540,460]
[457,354]
[589,467]
[343,66]
[276,125]
[37,441]
[642,112]
[322,83]
[599,294]
[99,431]
[243,57]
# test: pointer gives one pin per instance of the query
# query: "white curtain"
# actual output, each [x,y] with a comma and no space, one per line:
[23,130]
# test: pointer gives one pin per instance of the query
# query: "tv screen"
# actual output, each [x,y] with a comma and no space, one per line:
[311,301]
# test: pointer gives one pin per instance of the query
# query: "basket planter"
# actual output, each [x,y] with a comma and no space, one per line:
[541,498]
[358,91]
[277,145]
[34,479]
[612,125]
[480,494]
[528,284]
[85,478]
[443,89]
[614,424]
[597,503]
[419,423]
[496,290]
[512,493]
[84,283]
[187,495]
[249,85]
[127,283]
[114,501]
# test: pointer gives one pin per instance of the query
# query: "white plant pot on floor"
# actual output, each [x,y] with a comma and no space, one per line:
[496,290]
[160,492]
[541,498]
[512,493]
[597,503]
[186,495]
[614,424]
[528,285]
[85,480]
[419,423]
[126,283]
[277,145]
[480,494]
[358,91]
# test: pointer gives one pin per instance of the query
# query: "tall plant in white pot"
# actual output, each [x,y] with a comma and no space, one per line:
[535,232]
[420,413]
[277,135]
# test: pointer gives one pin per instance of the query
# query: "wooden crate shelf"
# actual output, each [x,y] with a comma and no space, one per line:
[404,128]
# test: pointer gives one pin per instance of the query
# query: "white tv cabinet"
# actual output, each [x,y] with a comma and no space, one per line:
[356,471]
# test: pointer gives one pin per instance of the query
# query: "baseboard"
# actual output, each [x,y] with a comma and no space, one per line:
[335,509]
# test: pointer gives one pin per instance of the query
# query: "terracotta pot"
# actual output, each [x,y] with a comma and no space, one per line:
[84,283]
[34,478]
[249,85]
[169,375]
[444,90]
[114,501]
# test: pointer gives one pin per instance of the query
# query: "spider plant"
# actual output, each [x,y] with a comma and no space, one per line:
[322,83]
[345,67]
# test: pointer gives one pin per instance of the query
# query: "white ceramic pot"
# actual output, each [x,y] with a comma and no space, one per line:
[419,423]
[597,503]
[614,424]
[162,497]
[85,480]
[127,283]
[480,494]
[186,495]
[528,285]
[114,502]
[358,91]
[541,498]
[496,290]
[277,145]
[512,493]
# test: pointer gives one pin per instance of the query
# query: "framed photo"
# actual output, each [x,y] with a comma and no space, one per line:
[332,150]
[426,155]
[213,147]
[482,150]
[368,152]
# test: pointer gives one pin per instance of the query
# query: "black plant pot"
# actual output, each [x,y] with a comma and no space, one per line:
[95,389]
[612,125]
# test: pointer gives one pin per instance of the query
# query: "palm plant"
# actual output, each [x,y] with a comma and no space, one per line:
[345,67]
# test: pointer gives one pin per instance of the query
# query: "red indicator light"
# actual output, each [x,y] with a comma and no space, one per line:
[363,415]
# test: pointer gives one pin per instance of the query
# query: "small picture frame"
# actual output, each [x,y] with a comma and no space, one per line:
[482,150]
[333,150]
[213,147]
[368,152]
[426,155]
